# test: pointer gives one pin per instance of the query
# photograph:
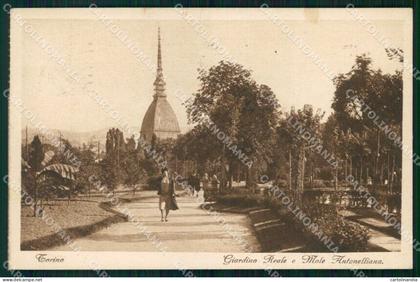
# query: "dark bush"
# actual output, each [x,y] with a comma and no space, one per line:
[281,183]
[319,183]
[346,235]
[240,200]
[325,173]
[329,183]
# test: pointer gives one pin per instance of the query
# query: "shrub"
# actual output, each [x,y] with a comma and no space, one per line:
[329,183]
[325,173]
[241,200]
[319,183]
[344,184]
[346,235]
[281,183]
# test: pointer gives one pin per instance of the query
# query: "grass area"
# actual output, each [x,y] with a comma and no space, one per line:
[79,217]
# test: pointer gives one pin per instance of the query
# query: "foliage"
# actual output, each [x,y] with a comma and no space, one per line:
[361,94]
[153,182]
[123,162]
[289,137]
[28,182]
[149,167]
[110,174]
[382,92]
[325,173]
[318,183]
[231,102]
[281,183]
[346,235]
[134,172]
[244,200]
[36,154]
[89,167]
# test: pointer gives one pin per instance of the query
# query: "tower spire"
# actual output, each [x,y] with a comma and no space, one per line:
[159,82]
[160,119]
[159,56]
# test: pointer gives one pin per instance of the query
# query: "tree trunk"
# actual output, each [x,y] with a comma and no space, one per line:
[387,172]
[35,197]
[230,176]
[345,168]
[367,174]
[377,155]
[298,170]
[382,174]
[223,171]
[251,179]
[336,179]
[301,176]
[302,162]
[312,174]
[290,170]
[392,173]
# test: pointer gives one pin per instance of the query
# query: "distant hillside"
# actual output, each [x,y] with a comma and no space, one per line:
[75,138]
[78,138]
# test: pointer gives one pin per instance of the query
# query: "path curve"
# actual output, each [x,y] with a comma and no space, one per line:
[189,229]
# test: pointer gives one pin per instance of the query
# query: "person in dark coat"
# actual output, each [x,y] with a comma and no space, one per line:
[166,194]
[206,183]
[196,184]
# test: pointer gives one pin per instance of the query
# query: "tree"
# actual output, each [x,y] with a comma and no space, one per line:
[112,171]
[88,168]
[131,164]
[231,104]
[196,146]
[368,103]
[290,136]
[36,155]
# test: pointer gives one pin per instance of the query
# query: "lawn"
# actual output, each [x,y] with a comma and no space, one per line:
[78,212]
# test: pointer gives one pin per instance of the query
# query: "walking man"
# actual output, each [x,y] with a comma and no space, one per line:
[166,194]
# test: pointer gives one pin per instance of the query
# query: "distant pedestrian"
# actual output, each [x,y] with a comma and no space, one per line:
[166,194]
[215,182]
[190,181]
[211,188]
[206,181]
[194,183]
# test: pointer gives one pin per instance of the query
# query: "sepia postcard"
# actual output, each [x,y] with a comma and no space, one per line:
[194,138]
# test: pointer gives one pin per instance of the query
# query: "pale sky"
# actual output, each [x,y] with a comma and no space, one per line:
[259,45]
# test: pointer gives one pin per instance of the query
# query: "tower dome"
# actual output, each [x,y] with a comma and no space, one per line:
[160,119]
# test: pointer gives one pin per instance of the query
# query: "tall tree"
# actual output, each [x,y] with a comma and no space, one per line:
[131,164]
[231,102]
[367,104]
[36,156]
[116,152]
[291,136]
